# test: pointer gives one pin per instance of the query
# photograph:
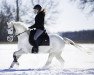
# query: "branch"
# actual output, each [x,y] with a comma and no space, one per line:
[32,3]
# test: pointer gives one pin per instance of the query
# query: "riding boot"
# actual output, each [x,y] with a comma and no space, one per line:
[35,47]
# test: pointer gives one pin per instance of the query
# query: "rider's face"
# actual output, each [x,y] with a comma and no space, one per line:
[35,11]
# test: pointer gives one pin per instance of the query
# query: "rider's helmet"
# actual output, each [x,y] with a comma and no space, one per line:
[38,7]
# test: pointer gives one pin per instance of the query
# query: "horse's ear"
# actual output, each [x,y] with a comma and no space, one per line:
[12,22]
[7,23]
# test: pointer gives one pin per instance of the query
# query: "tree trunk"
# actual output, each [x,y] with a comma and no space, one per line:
[17,10]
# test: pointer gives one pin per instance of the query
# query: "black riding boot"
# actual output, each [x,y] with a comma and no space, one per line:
[35,47]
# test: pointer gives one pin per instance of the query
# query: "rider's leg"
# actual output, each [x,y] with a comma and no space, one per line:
[35,47]
[37,34]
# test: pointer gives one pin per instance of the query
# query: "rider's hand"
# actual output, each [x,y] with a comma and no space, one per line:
[29,29]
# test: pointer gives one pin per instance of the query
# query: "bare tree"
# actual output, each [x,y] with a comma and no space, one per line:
[6,14]
[49,6]
[18,4]
[86,5]
[17,10]
[7,11]
[25,13]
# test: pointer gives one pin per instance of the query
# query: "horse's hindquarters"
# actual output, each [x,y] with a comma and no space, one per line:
[56,45]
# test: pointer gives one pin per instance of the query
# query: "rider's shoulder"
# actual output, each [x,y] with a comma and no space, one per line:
[42,13]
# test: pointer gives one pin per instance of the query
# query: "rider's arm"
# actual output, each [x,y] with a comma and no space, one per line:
[38,21]
[33,26]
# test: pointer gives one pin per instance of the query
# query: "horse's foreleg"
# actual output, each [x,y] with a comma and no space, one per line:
[16,56]
[15,60]
[50,57]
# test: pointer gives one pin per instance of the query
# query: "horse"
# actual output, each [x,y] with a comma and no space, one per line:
[57,43]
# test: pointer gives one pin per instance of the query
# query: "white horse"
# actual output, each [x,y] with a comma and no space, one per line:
[57,43]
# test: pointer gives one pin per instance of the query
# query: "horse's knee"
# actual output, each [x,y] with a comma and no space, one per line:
[15,57]
[14,53]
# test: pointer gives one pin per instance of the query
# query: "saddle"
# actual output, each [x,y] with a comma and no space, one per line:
[43,39]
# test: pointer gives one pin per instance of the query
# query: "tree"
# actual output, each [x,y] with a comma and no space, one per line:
[6,15]
[86,5]
[50,7]
[17,10]
[18,4]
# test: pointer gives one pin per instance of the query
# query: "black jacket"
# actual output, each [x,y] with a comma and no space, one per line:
[39,21]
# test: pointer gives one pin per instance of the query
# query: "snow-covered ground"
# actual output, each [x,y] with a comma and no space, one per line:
[75,60]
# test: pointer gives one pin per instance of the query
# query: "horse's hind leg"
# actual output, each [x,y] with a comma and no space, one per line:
[50,57]
[16,56]
[60,59]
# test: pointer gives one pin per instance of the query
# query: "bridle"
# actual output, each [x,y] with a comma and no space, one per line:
[14,32]
[13,35]
[21,33]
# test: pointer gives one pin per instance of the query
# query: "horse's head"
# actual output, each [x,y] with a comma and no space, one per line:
[10,24]
[10,31]
[17,26]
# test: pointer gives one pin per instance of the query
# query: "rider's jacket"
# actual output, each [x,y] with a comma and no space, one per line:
[39,21]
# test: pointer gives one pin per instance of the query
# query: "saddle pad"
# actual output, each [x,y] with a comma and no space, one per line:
[43,40]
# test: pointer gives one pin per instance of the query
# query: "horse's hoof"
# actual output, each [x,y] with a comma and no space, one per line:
[10,67]
[45,67]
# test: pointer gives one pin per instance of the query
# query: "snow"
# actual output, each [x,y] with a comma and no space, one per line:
[76,61]
[48,72]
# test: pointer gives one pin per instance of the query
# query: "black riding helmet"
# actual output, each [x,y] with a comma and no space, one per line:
[38,7]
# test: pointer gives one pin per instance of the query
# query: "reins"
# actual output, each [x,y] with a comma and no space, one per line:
[21,33]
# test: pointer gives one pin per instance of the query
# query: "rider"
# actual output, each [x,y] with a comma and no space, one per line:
[39,25]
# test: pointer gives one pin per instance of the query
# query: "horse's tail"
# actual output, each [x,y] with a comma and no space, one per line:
[69,41]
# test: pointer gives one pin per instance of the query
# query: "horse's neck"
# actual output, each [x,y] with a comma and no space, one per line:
[19,28]
[24,35]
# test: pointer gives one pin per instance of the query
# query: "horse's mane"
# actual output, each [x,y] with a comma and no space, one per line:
[21,24]
[20,27]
